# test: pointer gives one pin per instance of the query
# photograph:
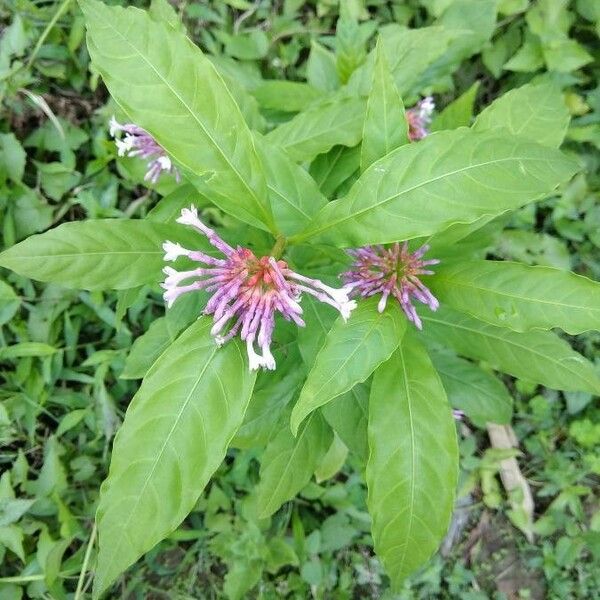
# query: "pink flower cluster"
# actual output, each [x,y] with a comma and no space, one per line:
[391,271]
[419,118]
[247,291]
[138,142]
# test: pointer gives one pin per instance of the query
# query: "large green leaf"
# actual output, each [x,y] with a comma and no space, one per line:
[348,415]
[175,434]
[482,397]
[519,296]
[412,469]
[536,112]
[338,120]
[350,354]
[537,356]
[385,127]
[166,85]
[295,197]
[450,177]
[98,254]
[289,462]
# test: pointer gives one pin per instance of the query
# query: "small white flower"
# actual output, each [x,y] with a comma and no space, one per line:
[170,295]
[164,162]
[173,251]
[113,126]
[189,216]
[346,308]
[255,360]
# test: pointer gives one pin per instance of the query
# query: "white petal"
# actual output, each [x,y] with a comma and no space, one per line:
[113,126]
[173,251]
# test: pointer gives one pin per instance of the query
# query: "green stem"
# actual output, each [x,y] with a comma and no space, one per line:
[84,566]
[57,15]
[279,247]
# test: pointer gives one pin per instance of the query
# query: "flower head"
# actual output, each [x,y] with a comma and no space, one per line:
[247,291]
[418,118]
[391,271]
[138,142]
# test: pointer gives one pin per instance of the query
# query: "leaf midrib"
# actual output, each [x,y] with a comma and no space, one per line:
[412,455]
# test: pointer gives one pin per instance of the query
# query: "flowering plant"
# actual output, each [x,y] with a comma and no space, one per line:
[349,303]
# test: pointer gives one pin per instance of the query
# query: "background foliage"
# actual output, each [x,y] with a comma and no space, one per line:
[66,385]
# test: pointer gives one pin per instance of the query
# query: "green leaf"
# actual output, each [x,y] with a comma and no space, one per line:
[26,349]
[534,248]
[190,110]
[519,296]
[98,254]
[288,462]
[350,354]
[349,43]
[333,460]
[412,469]
[449,177]
[175,434]
[287,96]
[12,158]
[535,112]
[71,420]
[331,169]
[458,113]
[294,195]
[338,120]
[537,356]
[11,509]
[250,46]
[482,397]
[565,55]
[529,57]
[385,127]
[321,70]
[11,537]
[9,303]
[348,415]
